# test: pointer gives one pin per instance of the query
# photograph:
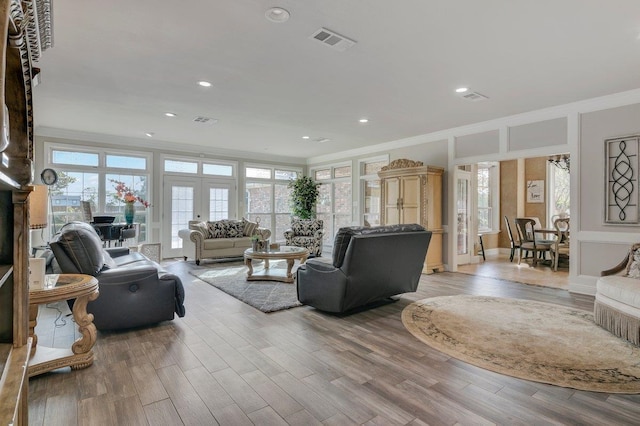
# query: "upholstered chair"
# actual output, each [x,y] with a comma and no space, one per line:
[306,233]
[528,241]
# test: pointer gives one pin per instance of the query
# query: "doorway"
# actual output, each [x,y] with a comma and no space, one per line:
[188,199]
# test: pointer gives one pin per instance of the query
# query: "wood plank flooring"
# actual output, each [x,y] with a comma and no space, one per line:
[227,363]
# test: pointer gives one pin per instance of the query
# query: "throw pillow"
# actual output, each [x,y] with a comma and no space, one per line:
[202,227]
[217,229]
[234,228]
[249,228]
[633,268]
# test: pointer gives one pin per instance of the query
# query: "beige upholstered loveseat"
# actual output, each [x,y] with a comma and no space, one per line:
[219,239]
[617,304]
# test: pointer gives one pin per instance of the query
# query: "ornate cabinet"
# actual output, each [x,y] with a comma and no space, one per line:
[20,42]
[412,193]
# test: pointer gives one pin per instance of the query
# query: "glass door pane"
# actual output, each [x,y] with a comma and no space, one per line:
[182,209]
[463,204]
[258,201]
[371,203]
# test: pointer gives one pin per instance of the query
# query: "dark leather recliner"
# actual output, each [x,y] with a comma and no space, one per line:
[134,291]
[369,264]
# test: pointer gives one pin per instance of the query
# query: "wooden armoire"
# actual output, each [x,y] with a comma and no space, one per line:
[412,193]
[21,39]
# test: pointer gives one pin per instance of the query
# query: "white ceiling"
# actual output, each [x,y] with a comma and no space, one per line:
[117,66]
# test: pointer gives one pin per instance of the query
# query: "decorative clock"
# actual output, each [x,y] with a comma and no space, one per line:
[49,177]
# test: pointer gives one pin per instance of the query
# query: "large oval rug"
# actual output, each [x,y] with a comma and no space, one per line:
[526,339]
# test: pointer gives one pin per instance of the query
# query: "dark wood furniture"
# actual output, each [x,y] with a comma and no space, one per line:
[20,43]
[528,241]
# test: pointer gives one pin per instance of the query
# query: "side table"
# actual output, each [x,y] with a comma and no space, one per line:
[84,288]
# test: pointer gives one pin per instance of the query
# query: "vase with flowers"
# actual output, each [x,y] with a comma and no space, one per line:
[129,197]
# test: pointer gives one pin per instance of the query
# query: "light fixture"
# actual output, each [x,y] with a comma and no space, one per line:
[561,161]
[305,137]
[204,83]
[277,15]
[364,120]
[461,89]
[149,134]
[39,207]
[170,114]
[38,214]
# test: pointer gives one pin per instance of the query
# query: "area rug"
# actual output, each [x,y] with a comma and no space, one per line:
[530,340]
[267,296]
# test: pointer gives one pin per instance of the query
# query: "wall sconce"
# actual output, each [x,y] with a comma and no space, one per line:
[561,161]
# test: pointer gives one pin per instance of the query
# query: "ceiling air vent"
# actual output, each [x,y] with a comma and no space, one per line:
[332,40]
[321,140]
[473,96]
[205,120]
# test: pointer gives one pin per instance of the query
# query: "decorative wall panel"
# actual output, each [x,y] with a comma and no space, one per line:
[621,174]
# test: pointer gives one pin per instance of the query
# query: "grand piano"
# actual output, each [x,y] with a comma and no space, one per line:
[114,232]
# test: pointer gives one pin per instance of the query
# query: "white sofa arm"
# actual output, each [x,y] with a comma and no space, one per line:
[192,244]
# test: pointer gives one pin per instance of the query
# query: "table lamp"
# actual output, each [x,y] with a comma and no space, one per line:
[38,212]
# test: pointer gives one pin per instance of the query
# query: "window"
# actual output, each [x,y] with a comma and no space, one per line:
[267,198]
[370,190]
[89,176]
[334,204]
[487,184]
[180,166]
[559,193]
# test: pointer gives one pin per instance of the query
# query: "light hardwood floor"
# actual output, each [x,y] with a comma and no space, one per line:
[227,363]
[499,266]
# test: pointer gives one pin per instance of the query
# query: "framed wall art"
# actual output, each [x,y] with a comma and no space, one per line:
[621,180]
[535,191]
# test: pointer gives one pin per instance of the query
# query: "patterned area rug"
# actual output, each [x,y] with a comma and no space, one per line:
[530,340]
[267,296]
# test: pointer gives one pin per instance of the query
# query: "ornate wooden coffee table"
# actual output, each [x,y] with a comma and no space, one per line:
[288,253]
[83,288]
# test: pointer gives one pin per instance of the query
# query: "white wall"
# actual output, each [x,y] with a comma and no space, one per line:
[580,129]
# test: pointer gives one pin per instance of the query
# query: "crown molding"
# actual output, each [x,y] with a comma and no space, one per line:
[589,105]
[51,132]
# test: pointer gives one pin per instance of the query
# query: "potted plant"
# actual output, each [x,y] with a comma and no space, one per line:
[303,197]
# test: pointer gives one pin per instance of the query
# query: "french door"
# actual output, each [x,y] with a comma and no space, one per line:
[186,199]
[464,217]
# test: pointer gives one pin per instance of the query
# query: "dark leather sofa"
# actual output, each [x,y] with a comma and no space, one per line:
[369,264]
[134,291]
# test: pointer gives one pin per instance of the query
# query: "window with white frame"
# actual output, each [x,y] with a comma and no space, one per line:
[370,190]
[334,205]
[487,184]
[267,197]
[93,175]
[559,193]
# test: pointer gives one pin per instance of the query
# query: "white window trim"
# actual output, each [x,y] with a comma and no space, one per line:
[200,161]
[494,188]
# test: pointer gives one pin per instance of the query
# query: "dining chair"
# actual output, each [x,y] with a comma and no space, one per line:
[528,242]
[561,243]
[512,242]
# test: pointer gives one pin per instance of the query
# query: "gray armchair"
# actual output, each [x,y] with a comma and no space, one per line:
[369,264]
[134,291]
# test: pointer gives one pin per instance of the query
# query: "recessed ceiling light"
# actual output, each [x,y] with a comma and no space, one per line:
[149,134]
[305,137]
[277,14]
[364,120]
[170,114]
[461,89]
[204,83]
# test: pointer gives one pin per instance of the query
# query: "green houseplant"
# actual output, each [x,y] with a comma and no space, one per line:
[303,197]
